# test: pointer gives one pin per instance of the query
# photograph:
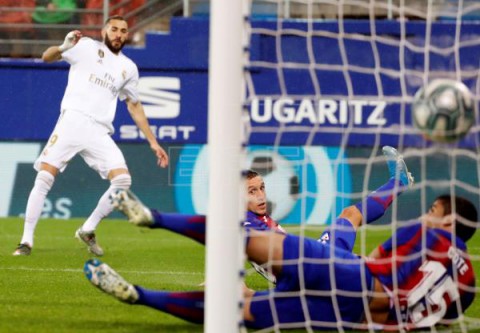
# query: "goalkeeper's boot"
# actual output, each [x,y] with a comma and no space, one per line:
[105,278]
[22,250]
[128,203]
[88,237]
[397,167]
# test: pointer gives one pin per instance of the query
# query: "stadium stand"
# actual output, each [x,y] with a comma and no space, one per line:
[21,23]
[53,14]
[25,21]
[15,21]
[117,7]
[27,27]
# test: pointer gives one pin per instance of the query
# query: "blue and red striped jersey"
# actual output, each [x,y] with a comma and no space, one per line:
[428,274]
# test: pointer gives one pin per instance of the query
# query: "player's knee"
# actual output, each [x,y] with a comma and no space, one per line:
[353,215]
[44,181]
[49,168]
[122,181]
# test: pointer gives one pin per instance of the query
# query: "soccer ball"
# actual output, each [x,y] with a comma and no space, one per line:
[443,110]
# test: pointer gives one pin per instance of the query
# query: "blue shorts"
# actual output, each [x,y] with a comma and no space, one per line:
[340,234]
[329,277]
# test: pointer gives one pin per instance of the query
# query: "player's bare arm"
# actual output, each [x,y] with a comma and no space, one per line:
[138,115]
[54,53]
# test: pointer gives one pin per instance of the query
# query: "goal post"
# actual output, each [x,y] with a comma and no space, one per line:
[224,239]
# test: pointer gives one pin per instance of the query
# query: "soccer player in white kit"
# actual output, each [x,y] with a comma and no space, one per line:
[99,75]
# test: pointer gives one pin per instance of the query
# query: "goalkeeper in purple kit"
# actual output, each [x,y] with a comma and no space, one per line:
[418,278]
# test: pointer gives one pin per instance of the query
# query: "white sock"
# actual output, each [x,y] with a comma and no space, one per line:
[43,184]
[104,206]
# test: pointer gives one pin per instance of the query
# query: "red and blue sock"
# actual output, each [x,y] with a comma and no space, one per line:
[376,203]
[192,226]
[188,305]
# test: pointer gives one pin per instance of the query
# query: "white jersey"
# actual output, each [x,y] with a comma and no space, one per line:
[97,77]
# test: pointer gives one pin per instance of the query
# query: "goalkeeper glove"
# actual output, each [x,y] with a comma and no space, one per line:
[70,40]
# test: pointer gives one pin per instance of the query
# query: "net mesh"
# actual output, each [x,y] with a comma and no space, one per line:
[329,83]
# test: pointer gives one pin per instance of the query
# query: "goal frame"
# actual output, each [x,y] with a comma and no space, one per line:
[224,239]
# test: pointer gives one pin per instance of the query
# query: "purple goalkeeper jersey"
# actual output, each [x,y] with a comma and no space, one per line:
[262,222]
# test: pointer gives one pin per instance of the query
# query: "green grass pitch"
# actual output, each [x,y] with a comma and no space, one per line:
[47,292]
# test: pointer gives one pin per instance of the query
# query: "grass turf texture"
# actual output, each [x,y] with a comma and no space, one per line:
[47,292]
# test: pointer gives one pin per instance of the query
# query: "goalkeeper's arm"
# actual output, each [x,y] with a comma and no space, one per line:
[54,53]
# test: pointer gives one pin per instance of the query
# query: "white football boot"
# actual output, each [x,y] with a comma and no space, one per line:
[397,167]
[88,237]
[106,279]
[129,204]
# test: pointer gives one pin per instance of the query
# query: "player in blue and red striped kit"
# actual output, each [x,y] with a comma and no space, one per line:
[428,266]
[418,278]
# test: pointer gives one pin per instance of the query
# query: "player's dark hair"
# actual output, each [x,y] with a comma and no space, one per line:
[466,210]
[249,174]
[115,17]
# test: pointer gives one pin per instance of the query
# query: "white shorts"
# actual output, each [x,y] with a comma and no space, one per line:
[76,133]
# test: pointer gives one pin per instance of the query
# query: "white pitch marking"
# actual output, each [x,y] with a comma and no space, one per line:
[74,270]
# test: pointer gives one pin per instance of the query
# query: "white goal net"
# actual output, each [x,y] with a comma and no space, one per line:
[329,83]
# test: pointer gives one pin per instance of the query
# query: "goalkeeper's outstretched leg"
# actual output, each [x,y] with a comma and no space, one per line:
[342,233]
[194,226]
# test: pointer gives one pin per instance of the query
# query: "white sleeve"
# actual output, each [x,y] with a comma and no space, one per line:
[74,54]
[130,89]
